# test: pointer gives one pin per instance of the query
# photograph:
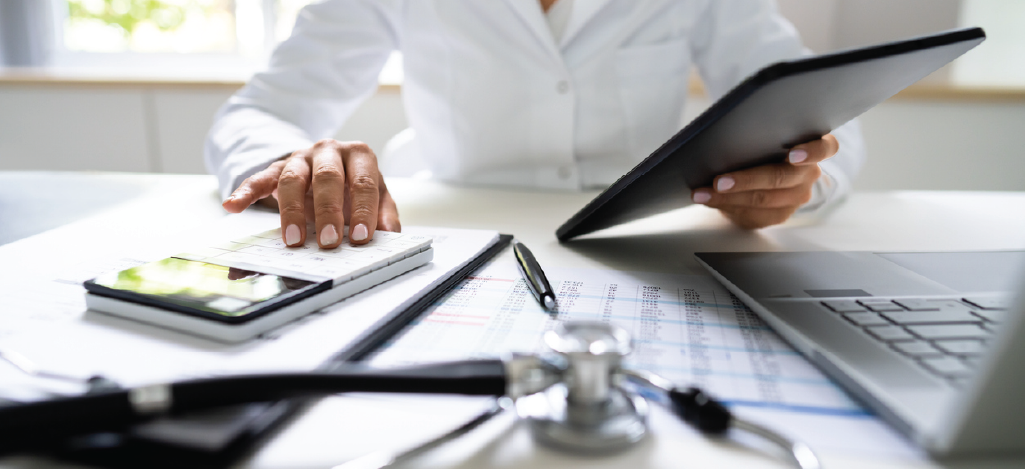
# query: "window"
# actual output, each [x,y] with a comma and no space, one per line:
[185,26]
[171,38]
[998,61]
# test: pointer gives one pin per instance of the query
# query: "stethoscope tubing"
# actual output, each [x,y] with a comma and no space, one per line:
[25,425]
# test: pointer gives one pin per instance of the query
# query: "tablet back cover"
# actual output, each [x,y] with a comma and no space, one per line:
[784,104]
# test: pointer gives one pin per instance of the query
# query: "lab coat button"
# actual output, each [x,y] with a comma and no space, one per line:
[562,87]
[564,173]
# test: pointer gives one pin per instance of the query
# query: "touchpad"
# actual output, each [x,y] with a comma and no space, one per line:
[990,271]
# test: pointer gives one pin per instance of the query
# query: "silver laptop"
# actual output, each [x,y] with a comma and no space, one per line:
[934,343]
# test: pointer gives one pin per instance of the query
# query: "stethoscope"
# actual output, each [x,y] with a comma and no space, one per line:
[576,397]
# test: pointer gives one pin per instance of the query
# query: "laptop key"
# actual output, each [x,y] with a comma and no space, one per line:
[960,381]
[947,366]
[972,361]
[928,317]
[961,347]
[998,303]
[917,348]
[844,306]
[866,319]
[991,315]
[918,305]
[951,306]
[950,331]
[881,306]
[889,333]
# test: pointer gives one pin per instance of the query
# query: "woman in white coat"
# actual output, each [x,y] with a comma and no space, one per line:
[554,94]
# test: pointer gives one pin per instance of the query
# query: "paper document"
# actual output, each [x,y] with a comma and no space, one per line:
[686,328]
[45,318]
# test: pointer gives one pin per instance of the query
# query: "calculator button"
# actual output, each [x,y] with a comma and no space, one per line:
[234,258]
[270,234]
[297,265]
[258,250]
[335,252]
[275,243]
[289,254]
[229,246]
[318,259]
[386,236]
[249,240]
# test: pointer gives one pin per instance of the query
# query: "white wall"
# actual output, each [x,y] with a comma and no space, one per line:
[912,143]
[944,145]
[150,128]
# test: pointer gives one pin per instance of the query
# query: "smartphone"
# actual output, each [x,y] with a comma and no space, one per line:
[199,296]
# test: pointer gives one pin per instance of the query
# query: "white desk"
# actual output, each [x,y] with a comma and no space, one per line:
[917,221]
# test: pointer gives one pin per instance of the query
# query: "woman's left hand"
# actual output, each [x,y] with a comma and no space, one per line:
[769,194]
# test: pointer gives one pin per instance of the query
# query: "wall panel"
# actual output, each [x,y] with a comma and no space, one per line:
[73,128]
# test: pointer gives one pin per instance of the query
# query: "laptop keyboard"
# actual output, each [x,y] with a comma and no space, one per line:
[944,336]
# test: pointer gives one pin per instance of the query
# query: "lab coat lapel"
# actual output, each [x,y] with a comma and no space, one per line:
[583,11]
[531,14]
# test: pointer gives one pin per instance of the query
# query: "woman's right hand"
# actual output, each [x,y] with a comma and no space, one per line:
[330,184]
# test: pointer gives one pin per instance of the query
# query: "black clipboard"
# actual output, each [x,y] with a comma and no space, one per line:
[240,429]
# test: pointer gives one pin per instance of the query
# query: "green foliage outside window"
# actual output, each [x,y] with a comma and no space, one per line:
[130,13]
[150,25]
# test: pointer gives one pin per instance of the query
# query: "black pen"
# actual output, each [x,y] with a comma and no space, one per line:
[535,277]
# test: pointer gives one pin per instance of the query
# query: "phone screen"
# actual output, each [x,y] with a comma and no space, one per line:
[211,290]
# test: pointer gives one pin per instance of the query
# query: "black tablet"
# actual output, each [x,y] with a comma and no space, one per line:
[782,105]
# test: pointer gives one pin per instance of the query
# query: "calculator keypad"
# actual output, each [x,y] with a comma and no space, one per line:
[340,264]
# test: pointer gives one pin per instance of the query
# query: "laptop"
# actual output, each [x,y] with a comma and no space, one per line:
[934,343]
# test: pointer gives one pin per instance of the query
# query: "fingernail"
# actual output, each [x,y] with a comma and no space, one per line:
[292,235]
[701,197]
[328,235]
[797,156]
[229,199]
[359,233]
[725,184]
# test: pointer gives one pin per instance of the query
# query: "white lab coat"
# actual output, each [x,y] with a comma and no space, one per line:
[492,97]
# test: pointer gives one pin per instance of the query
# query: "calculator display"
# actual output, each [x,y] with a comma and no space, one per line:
[209,289]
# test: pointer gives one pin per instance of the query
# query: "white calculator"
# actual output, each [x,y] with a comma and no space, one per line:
[235,290]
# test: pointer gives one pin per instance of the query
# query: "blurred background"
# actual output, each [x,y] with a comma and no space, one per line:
[132,85]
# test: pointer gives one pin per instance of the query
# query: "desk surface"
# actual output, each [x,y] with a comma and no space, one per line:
[894,221]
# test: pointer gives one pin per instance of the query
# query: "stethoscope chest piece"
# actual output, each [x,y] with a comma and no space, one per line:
[587,412]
